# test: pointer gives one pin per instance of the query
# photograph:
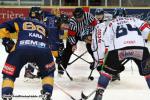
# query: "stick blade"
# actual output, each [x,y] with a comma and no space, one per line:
[83,96]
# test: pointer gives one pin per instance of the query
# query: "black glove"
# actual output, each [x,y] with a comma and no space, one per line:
[8,44]
[60,52]
[99,68]
[61,46]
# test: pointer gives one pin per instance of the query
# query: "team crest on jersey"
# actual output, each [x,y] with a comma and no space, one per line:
[133,53]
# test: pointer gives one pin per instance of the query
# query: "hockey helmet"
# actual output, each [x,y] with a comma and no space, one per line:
[36,12]
[78,13]
[119,12]
[62,19]
[99,11]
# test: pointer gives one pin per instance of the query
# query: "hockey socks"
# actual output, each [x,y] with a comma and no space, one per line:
[148,80]
[104,79]
[47,84]
[7,87]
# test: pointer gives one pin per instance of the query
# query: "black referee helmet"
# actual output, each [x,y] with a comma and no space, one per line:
[78,13]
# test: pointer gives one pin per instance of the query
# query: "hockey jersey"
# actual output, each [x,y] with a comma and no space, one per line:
[97,45]
[55,33]
[126,31]
[32,33]
[81,29]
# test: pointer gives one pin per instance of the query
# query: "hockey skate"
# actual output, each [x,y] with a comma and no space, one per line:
[29,74]
[45,95]
[115,77]
[99,94]
[7,97]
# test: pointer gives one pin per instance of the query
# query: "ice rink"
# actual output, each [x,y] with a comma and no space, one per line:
[131,87]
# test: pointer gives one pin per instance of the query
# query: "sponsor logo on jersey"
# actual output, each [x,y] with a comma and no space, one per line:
[9,69]
[99,35]
[134,53]
[32,43]
[129,42]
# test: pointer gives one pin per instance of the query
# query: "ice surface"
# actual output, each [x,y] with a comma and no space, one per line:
[131,87]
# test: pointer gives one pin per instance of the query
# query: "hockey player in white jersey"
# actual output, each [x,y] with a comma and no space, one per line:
[97,44]
[126,40]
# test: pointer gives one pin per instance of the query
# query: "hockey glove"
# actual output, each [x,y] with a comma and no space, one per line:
[8,44]
[100,65]
[99,68]
[60,53]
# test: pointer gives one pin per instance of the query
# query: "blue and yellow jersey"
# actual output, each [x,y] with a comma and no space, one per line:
[55,33]
[31,33]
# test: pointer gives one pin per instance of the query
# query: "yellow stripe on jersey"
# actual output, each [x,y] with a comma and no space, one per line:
[8,83]
[4,33]
[16,27]
[48,80]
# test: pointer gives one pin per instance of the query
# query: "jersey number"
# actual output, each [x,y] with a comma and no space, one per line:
[121,31]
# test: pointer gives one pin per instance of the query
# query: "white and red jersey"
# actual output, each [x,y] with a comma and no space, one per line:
[126,31]
[97,45]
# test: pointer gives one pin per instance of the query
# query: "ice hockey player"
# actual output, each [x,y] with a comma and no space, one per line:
[125,38]
[79,29]
[103,19]
[31,46]
[55,40]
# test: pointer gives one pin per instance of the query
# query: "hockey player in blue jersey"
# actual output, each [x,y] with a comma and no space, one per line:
[31,46]
[55,40]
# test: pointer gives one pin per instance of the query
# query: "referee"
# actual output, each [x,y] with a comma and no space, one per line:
[80,28]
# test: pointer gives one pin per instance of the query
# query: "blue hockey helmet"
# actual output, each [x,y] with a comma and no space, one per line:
[99,11]
[119,12]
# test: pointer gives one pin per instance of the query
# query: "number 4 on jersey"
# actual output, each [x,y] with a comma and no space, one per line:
[121,31]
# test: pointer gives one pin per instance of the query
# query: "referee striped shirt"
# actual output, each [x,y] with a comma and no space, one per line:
[81,29]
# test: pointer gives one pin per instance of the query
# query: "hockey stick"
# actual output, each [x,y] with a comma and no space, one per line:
[81,58]
[92,78]
[84,97]
[66,72]
[77,58]
[65,92]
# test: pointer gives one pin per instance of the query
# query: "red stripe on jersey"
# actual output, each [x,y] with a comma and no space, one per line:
[93,23]
[146,25]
